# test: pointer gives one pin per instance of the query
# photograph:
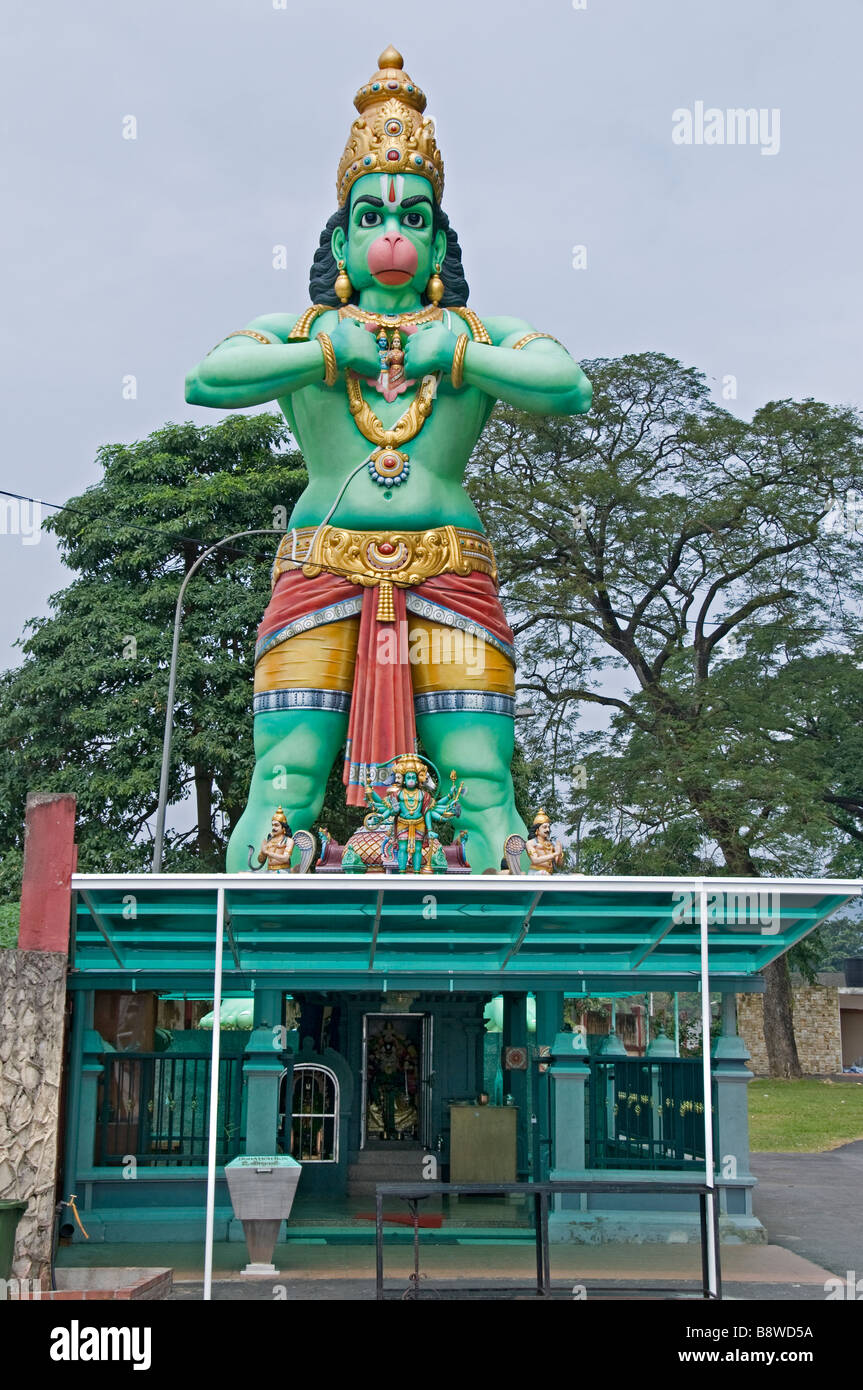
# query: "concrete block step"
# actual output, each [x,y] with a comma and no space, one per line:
[397,1156]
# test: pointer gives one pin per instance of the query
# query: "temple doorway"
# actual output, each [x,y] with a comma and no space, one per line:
[396,1078]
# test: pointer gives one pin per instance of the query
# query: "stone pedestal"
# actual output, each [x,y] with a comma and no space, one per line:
[262,1189]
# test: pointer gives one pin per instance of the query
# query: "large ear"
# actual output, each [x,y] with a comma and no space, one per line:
[439,248]
[339,244]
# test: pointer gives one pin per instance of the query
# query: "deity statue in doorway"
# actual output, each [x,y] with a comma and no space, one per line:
[392,1076]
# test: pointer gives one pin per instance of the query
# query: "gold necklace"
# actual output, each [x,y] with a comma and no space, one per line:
[426,315]
[406,427]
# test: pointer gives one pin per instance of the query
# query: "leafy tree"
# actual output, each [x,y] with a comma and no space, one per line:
[683,571]
[829,946]
[85,711]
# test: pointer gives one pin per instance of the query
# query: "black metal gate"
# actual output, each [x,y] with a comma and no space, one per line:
[154,1107]
[645,1113]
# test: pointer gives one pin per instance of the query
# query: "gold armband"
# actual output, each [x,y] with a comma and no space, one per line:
[475,324]
[457,373]
[331,369]
[529,338]
[300,331]
[247,333]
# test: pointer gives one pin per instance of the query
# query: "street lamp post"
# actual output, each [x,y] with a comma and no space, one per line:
[159,840]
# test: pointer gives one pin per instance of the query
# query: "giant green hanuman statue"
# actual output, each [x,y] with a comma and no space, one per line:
[384,621]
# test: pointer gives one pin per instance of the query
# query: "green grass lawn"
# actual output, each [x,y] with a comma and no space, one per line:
[804,1116]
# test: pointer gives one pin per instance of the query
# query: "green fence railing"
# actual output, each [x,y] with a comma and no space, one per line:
[646,1113]
[154,1107]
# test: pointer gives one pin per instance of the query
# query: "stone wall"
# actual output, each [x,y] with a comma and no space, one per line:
[32,994]
[816,1028]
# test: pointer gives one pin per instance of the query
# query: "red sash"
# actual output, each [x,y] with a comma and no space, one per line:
[382,723]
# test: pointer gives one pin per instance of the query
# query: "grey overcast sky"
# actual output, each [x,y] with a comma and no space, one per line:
[132,257]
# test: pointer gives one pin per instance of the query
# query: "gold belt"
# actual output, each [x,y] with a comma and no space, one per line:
[384,558]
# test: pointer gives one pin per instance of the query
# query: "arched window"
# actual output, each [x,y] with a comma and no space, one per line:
[315,1115]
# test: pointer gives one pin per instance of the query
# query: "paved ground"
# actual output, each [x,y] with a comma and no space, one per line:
[328,1290]
[810,1204]
[813,1204]
[321,1271]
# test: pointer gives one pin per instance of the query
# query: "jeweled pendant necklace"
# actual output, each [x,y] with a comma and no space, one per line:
[388,465]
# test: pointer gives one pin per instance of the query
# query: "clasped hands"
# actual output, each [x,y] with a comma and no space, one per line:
[429,349]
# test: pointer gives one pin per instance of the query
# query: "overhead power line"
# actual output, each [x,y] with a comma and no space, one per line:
[135,525]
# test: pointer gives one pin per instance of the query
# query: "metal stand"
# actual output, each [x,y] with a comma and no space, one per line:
[541,1192]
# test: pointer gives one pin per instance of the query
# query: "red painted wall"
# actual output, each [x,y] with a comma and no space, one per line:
[49,861]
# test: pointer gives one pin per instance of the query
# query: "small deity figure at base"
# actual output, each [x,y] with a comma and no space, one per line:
[545,854]
[410,809]
[278,847]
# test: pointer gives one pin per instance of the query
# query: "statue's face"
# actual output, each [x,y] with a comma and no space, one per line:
[543,833]
[276,827]
[410,780]
[390,241]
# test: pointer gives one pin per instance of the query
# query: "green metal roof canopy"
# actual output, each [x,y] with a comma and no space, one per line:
[308,931]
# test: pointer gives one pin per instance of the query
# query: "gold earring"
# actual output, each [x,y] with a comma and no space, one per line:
[342,286]
[435,287]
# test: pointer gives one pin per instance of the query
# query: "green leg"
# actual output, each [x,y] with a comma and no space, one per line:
[479,747]
[294,751]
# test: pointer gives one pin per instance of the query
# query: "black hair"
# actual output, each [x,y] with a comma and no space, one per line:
[324,269]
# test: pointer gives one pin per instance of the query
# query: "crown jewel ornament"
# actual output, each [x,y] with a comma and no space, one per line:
[390,135]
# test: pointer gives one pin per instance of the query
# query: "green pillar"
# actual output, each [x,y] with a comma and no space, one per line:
[515,1082]
[570,1074]
[732,1077]
[549,1020]
[263,1065]
[84,1106]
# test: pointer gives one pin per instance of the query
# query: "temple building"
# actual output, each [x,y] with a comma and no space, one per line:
[389,1028]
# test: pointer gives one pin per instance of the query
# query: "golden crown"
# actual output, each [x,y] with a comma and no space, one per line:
[541,818]
[279,815]
[409,762]
[391,134]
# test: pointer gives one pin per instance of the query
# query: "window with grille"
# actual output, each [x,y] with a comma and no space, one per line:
[315,1115]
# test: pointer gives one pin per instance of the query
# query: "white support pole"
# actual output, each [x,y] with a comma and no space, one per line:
[214,1097]
[676,1023]
[709,1174]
